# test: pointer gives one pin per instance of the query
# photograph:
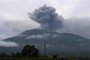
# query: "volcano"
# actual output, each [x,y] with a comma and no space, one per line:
[56,43]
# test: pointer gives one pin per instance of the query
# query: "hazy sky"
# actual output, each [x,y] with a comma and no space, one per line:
[14,18]
[17,9]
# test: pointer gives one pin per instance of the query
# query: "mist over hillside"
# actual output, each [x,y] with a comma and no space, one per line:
[62,36]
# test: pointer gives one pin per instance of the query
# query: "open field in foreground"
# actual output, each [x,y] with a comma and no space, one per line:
[41,58]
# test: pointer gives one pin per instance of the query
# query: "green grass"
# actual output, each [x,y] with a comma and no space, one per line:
[23,58]
[38,58]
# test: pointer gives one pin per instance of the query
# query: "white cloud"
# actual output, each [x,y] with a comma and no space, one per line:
[7,1]
[14,27]
[22,25]
[17,9]
[82,9]
[64,7]
[8,44]
[4,30]
[9,16]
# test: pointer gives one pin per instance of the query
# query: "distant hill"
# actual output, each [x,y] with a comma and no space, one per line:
[57,43]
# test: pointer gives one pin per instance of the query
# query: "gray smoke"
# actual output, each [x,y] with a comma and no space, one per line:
[47,17]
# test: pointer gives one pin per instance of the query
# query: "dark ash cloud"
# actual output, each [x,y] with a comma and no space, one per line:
[47,17]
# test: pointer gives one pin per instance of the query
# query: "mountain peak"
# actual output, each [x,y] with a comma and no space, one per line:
[56,42]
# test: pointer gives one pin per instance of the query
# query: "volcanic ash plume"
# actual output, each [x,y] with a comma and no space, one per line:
[47,17]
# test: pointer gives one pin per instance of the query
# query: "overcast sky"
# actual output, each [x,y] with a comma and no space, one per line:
[17,9]
[14,18]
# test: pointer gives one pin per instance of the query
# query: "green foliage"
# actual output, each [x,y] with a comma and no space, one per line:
[55,56]
[18,54]
[30,51]
[27,51]
[40,58]
[3,55]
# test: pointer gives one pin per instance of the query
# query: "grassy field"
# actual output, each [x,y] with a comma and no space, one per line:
[40,58]
[34,58]
[24,58]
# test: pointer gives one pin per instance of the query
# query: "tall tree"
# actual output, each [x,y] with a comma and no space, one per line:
[30,51]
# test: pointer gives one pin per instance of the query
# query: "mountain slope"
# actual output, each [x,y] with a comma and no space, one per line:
[56,42]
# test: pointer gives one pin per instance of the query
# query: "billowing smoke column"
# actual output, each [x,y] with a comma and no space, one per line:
[47,17]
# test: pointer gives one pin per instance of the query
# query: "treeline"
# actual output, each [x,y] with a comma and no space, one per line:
[27,51]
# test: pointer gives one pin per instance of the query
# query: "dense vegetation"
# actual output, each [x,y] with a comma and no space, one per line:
[43,58]
[27,51]
[31,53]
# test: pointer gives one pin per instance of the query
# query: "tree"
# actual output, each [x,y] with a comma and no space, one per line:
[30,51]
[3,54]
[18,54]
